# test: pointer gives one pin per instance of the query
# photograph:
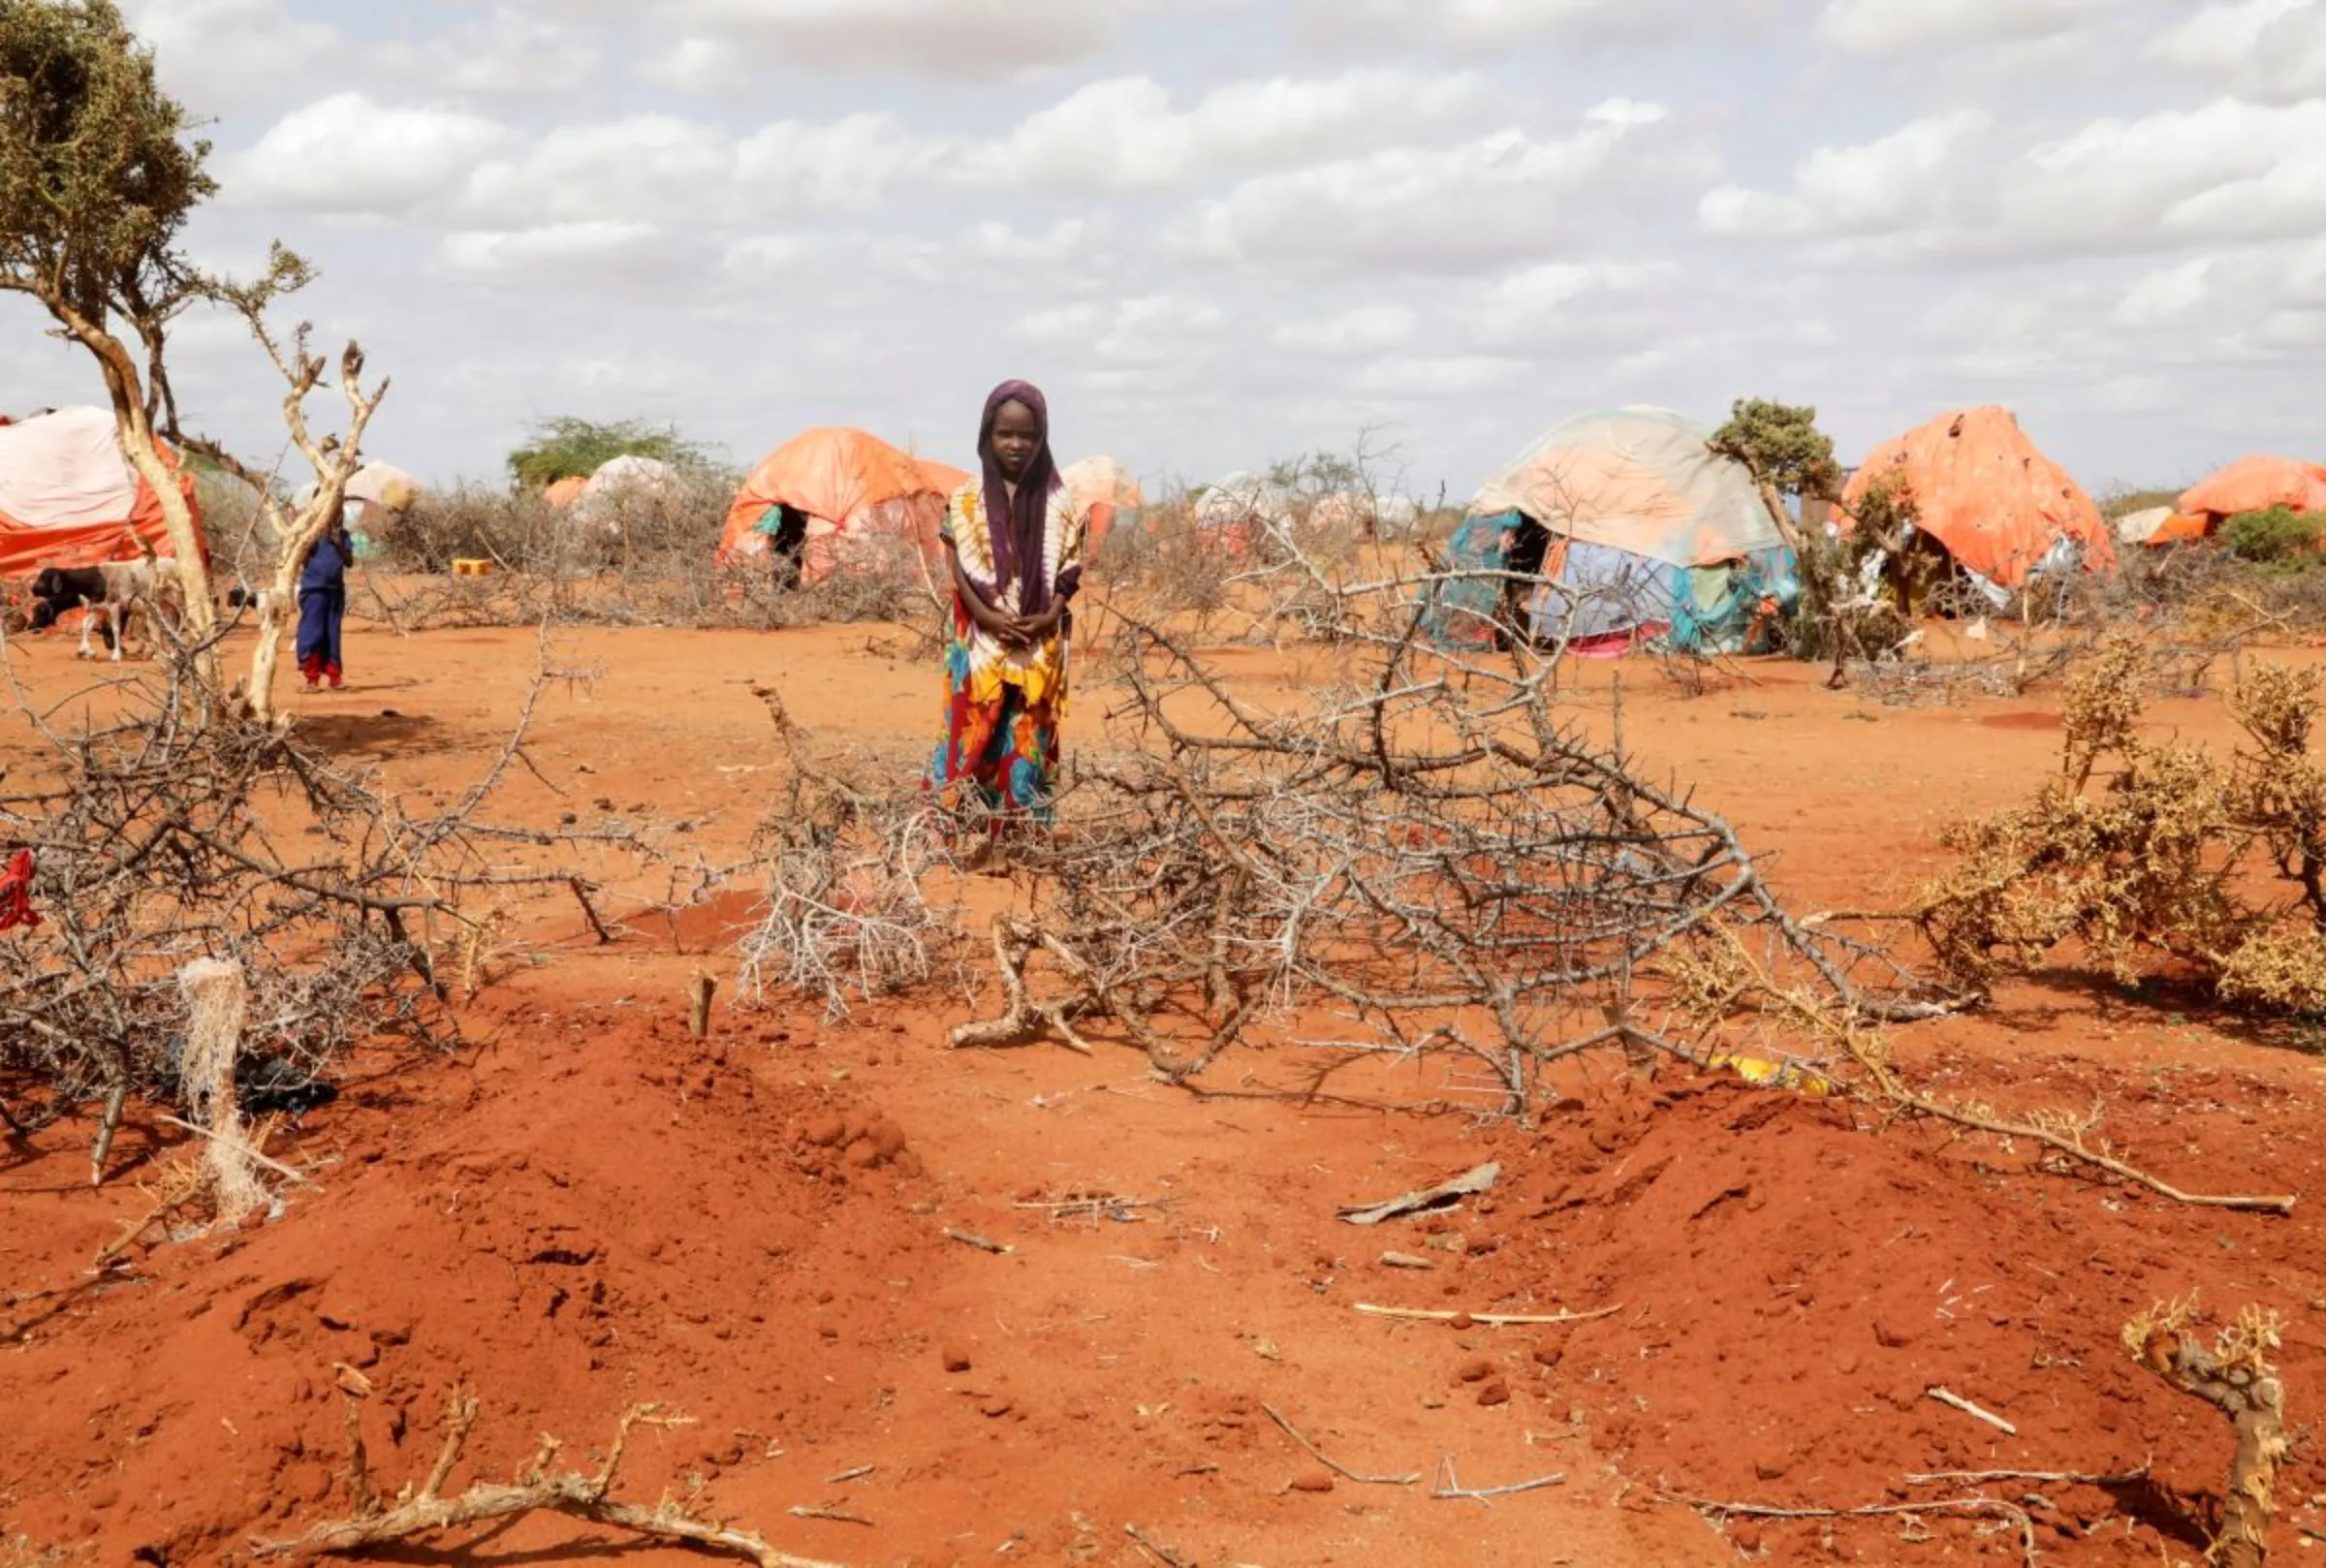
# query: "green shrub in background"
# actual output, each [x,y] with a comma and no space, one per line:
[2278,537]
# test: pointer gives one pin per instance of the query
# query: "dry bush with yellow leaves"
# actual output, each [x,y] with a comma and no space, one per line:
[2150,851]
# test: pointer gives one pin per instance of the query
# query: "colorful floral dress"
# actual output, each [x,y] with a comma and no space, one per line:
[1002,706]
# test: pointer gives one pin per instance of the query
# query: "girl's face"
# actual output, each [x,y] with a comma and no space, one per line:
[1017,436]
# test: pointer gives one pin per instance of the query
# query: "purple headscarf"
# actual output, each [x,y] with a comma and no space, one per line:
[1019,528]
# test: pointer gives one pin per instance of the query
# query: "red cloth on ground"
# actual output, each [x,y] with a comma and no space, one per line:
[15,893]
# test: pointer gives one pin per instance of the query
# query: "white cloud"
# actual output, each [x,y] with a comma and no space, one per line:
[1954,185]
[726,45]
[1887,27]
[585,247]
[1124,134]
[848,163]
[1438,375]
[347,154]
[1469,205]
[1365,330]
[220,54]
[2270,49]
[1478,25]
[1151,329]
[648,164]
[2231,307]
[1541,303]
[1875,187]
[510,54]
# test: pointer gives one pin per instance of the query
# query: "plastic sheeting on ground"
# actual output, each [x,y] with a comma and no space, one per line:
[1983,490]
[68,497]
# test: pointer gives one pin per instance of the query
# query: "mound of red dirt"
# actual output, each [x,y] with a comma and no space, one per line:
[1792,1282]
[602,1211]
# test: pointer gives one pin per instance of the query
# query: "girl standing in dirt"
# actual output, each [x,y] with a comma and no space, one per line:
[323,603]
[1015,541]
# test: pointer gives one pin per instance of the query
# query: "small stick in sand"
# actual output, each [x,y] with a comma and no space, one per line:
[704,988]
[970,1239]
[833,1514]
[1492,1319]
[1944,1396]
[580,889]
[1449,1484]
[1337,1468]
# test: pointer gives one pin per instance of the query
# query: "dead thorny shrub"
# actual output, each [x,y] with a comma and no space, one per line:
[641,556]
[844,912]
[181,831]
[2153,850]
[1429,849]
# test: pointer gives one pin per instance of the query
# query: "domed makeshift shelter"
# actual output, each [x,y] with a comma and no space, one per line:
[1104,490]
[2256,484]
[1983,492]
[832,487]
[1638,531]
[68,497]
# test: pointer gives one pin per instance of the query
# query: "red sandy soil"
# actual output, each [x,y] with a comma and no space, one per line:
[583,1210]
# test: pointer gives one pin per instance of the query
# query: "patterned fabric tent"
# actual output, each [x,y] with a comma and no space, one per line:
[1637,530]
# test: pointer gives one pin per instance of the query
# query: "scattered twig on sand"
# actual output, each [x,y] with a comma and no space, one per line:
[1948,1398]
[833,1516]
[242,1147]
[1094,1207]
[970,1239]
[2236,1378]
[535,1490]
[1157,1550]
[1449,1484]
[1444,1195]
[857,1473]
[1993,1506]
[1495,1320]
[582,889]
[1333,1465]
[2057,1478]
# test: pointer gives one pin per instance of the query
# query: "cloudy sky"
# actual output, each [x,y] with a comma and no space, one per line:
[1221,232]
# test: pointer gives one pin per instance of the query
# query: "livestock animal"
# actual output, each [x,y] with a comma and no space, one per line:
[114,588]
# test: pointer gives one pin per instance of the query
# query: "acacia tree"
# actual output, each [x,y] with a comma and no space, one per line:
[99,173]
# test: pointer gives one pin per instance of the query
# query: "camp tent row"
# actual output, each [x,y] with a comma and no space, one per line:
[1632,529]
[2254,484]
[853,491]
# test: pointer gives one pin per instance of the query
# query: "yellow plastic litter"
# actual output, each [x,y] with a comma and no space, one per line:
[1788,1074]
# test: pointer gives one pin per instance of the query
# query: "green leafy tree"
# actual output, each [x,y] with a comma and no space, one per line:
[1782,446]
[569,447]
[99,173]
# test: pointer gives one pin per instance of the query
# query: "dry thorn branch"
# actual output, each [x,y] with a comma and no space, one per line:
[2234,1376]
[574,1495]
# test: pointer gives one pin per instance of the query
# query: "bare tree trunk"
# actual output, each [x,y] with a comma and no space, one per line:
[137,445]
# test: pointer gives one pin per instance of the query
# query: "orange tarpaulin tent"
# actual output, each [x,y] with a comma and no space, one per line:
[851,486]
[68,498]
[2256,484]
[1985,492]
